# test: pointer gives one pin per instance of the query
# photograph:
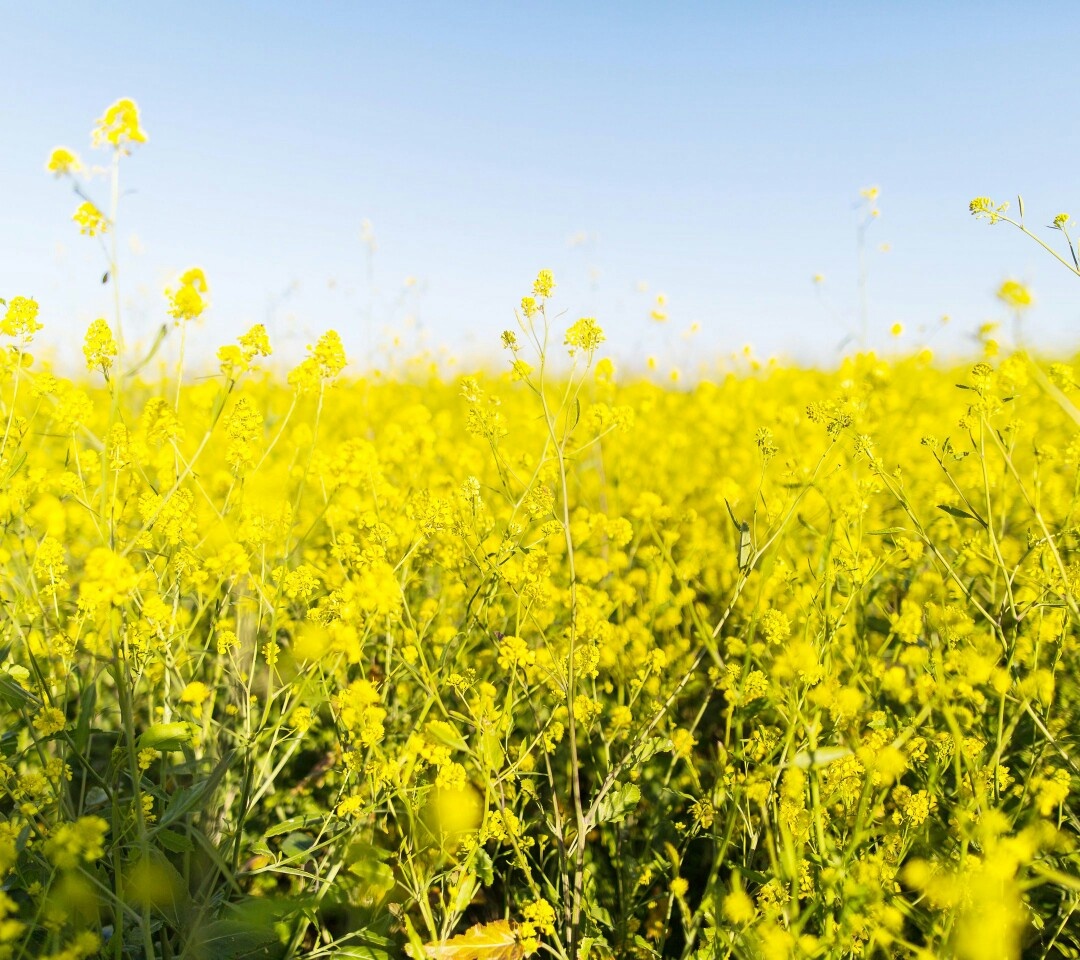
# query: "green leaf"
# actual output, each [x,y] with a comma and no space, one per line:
[14,694]
[183,802]
[16,464]
[174,842]
[960,514]
[236,940]
[444,733]
[187,799]
[359,850]
[163,331]
[154,882]
[484,866]
[9,743]
[295,845]
[87,703]
[294,823]
[491,749]
[376,878]
[618,803]
[95,798]
[644,948]
[745,548]
[262,848]
[166,737]
[650,748]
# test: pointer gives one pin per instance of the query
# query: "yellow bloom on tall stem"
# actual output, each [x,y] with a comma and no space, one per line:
[90,219]
[63,161]
[119,126]
[188,301]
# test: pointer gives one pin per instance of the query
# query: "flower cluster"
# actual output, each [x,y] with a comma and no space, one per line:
[187,300]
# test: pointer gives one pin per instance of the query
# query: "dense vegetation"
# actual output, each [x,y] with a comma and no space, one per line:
[780,665]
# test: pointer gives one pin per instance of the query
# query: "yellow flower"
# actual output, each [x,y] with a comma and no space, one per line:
[119,126]
[451,778]
[1015,295]
[81,841]
[774,625]
[541,914]
[20,320]
[187,301]
[49,720]
[90,219]
[49,560]
[350,806]
[329,354]
[108,578]
[682,743]
[195,693]
[918,806]
[738,907]
[99,347]
[983,208]
[544,284]
[585,334]
[146,758]
[515,652]
[63,161]
[325,361]
[659,314]
[255,342]
[236,360]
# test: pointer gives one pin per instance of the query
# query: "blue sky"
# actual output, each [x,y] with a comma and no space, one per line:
[712,152]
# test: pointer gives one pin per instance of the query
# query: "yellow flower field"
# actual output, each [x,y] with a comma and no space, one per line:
[551,661]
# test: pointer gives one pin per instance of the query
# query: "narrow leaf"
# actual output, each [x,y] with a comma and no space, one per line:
[960,514]
[163,331]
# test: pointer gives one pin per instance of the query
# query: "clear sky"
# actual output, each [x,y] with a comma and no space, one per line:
[713,152]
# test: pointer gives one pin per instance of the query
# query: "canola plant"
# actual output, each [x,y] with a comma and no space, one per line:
[776,665]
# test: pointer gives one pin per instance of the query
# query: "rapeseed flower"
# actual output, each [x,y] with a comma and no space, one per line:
[99,347]
[187,300]
[92,222]
[20,318]
[63,162]
[1015,295]
[119,126]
